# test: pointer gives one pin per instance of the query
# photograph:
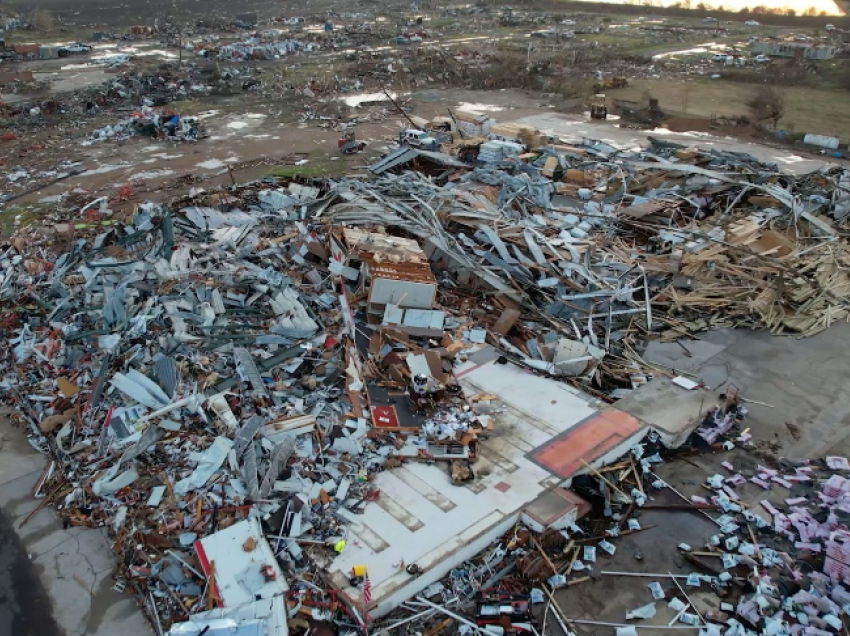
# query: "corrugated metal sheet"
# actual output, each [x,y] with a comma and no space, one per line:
[397,158]
[406,154]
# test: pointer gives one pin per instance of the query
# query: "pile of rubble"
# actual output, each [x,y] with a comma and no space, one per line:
[253,49]
[160,124]
[153,355]
[218,381]
[673,239]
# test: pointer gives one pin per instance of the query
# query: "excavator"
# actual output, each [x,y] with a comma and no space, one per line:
[611,83]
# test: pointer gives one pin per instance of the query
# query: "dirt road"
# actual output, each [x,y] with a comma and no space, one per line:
[246,137]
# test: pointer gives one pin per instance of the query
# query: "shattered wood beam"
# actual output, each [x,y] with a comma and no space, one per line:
[563,621]
[633,625]
[457,617]
[409,619]
[545,556]
[776,192]
[604,478]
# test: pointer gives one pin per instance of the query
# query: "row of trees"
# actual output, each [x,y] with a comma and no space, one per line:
[759,9]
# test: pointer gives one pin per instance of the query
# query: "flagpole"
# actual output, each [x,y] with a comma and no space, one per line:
[366,596]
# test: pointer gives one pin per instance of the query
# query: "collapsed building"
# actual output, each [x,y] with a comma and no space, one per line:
[318,398]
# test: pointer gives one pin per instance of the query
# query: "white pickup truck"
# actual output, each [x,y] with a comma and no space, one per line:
[418,139]
[74,49]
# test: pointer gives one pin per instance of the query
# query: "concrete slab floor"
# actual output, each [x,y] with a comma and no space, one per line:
[801,379]
[607,598]
[55,581]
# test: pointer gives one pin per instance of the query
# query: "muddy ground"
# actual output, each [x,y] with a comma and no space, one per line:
[24,605]
[250,140]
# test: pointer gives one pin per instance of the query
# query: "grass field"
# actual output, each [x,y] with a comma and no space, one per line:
[319,165]
[807,110]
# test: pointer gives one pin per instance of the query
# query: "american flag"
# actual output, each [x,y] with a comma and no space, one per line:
[367,590]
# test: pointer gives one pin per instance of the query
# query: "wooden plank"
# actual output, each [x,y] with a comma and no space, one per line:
[506,321]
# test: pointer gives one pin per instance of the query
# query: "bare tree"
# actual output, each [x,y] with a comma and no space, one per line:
[768,104]
[43,20]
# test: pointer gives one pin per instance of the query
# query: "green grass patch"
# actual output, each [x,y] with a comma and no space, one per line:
[27,214]
[47,37]
[439,23]
[315,168]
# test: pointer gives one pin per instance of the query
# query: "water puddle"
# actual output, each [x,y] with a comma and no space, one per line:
[692,133]
[210,164]
[151,174]
[479,109]
[610,117]
[708,47]
[105,168]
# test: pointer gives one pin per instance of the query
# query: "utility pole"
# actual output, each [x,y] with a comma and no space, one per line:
[401,110]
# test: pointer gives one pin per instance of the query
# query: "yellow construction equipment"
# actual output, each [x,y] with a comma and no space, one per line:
[599,107]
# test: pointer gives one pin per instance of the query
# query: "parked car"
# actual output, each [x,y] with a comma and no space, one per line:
[752,23]
[545,33]
[568,22]
[709,19]
[721,57]
[830,27]
[418,139]
[761,59]
[74,49]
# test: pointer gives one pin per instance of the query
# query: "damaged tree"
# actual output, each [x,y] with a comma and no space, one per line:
[768,104]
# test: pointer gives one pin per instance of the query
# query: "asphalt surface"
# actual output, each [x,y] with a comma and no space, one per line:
[24,606]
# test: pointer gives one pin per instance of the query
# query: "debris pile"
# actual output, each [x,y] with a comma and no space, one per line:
[255,50]
[239,365]
[148,122]
[193,372]
[613,240]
